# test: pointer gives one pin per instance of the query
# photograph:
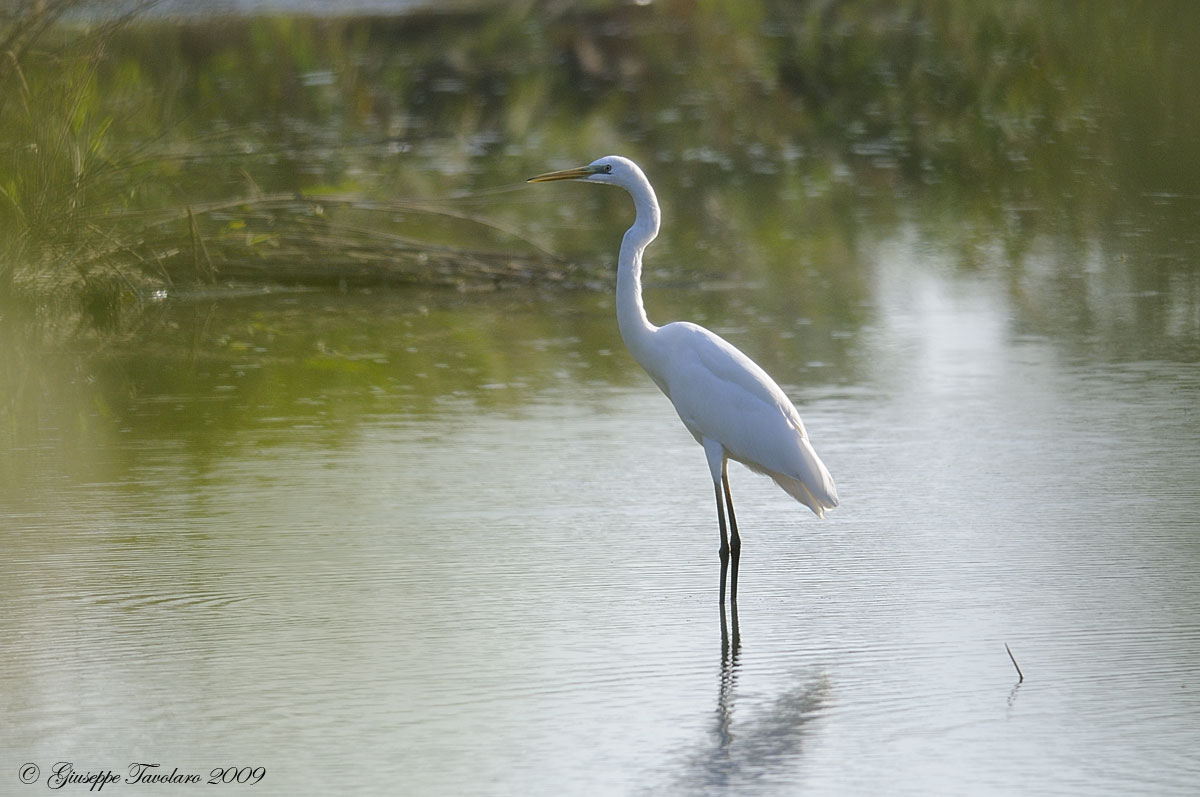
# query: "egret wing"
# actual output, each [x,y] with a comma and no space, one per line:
[722,394]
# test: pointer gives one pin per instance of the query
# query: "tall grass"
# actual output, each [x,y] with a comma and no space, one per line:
[102,203]
[57,165]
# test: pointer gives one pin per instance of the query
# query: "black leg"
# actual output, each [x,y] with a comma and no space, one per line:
[735,542]
[724,550]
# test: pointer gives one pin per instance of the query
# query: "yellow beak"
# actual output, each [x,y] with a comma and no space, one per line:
[577,173]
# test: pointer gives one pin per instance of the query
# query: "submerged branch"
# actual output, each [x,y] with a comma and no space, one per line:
[300,240]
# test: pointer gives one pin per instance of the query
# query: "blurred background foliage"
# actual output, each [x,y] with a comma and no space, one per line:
[155,169]
[158,172]
[140,151]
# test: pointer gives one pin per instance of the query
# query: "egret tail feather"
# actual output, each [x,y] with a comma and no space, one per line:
[819,503]
[810,484]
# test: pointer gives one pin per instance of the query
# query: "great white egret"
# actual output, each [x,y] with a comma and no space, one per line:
[729,404]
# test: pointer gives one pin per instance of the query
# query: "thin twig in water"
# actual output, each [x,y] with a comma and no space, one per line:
[1020,675]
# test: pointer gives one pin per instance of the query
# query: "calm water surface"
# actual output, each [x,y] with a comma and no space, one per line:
[431,542]
[506,582]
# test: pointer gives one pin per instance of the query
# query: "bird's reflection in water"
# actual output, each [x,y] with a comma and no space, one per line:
[763,745]
[731,646]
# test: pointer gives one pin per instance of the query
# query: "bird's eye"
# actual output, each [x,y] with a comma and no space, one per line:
[608,168]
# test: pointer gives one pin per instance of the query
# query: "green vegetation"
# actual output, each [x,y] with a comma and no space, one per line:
[141,157]
[56,166]
[148,154]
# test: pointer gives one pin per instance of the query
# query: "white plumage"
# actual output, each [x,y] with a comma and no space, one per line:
[722,394]
[729,404]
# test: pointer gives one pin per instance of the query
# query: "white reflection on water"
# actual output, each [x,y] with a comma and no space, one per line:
[525,601]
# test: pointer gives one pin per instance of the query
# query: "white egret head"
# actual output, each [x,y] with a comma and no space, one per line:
[611,169]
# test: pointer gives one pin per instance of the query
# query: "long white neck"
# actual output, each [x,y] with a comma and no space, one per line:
[636,329]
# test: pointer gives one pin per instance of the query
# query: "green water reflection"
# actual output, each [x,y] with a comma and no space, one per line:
[1051,146]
